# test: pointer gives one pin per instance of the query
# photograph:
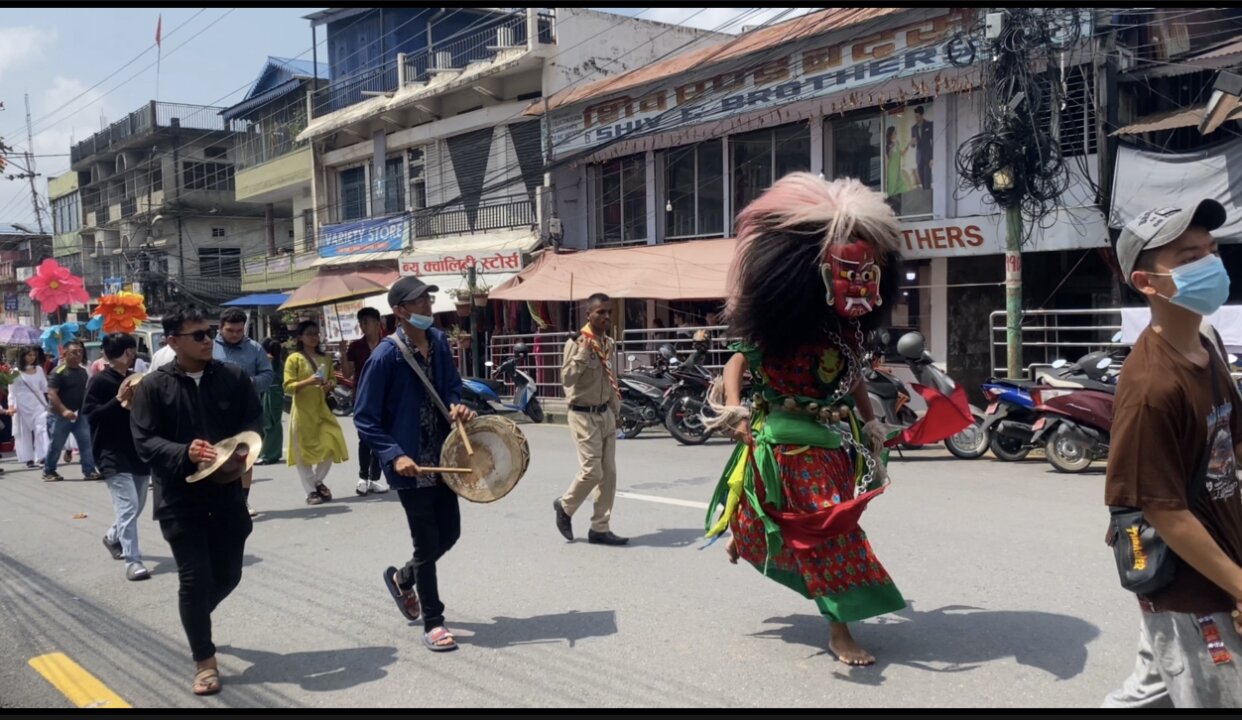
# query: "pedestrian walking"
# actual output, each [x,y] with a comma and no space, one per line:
[66,389]
[398,418]
[273,406]
[1177,429]
[315,438]
[178,414]
[115,455]
[29,408]
[232,346]
[829,244]
[594,401]
[355,357]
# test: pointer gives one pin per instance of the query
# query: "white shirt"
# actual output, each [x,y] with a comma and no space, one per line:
[162,357]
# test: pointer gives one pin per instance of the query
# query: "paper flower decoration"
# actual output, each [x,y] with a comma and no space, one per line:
[96,323]
[53,286]
[57,335]
[121,312]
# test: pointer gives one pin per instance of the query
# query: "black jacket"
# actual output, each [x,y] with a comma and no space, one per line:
[169,412]
[111,441]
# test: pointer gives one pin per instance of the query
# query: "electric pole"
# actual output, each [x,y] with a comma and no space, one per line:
[30,169]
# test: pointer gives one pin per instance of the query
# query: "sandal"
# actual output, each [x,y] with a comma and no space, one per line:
[314,499]
[434,639]
[323,491]
[207,681]
[407,600]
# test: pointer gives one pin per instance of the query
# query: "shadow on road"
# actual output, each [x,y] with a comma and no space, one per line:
[668,538]
[507,632]
[168,566]
[310,512]
[951,639]
[314,671]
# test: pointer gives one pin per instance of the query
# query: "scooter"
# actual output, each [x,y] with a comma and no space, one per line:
[1076,418]
[341,399]
[949,417]
[483,394]
[645,394]
[687,408]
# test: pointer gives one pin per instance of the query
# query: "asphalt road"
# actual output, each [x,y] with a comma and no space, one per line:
[1013,599]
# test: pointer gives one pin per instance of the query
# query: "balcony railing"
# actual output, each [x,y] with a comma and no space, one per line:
[272,137]
[452,53]
[149,117]
[129,207]
[508,213]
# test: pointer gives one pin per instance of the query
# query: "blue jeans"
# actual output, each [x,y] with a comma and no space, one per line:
[129,497]
[58,429]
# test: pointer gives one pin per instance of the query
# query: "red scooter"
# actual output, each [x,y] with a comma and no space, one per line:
[1075,421]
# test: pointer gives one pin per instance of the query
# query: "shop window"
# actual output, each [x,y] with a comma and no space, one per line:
[394,186]
[354,193]
[622,193]
[219,262]
[760,158]
[694,206]
[207,176]
[891,152]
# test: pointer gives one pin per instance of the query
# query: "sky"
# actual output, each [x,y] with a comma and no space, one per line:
[87,67]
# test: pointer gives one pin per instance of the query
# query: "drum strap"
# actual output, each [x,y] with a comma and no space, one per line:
[408,354]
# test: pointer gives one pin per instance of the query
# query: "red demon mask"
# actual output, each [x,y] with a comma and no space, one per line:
[852,279]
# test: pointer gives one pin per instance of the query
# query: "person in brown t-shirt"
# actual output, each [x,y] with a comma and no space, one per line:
[1177,421]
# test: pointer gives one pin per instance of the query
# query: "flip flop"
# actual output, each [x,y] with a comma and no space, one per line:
[207,681]
[407,604]
[435,635]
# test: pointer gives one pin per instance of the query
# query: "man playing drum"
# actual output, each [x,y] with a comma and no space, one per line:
[399,419]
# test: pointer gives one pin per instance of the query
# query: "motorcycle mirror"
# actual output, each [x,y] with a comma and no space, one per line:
[911,346]
[1117,337]
[631,358]
[1103,364]
[488,363]
[1059,363]
[1233,359]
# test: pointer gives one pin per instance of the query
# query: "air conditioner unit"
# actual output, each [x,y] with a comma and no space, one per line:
[506,36]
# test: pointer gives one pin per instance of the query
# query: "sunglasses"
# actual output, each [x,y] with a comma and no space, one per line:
[197,335]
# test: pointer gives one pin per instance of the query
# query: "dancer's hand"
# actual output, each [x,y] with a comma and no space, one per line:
[406,467]
[876,434]
[202,451]
[741,433]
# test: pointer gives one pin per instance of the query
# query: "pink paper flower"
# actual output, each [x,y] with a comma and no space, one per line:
[53,286]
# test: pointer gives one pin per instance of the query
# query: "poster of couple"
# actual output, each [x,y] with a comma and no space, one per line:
[908,139]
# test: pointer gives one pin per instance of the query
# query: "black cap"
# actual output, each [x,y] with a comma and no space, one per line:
[408,288]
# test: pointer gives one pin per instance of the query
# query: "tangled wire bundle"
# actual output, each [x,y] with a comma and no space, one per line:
[1017,157]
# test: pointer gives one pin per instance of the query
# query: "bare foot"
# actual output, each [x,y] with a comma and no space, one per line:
[847,650]
[731,549]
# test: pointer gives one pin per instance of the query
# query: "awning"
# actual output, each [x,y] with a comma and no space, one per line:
[1188,117]
[444,299]
[258,299]
[386,256]
[1143,180]
[694,270]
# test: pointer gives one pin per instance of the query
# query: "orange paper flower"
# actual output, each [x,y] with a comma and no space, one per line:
[121,312]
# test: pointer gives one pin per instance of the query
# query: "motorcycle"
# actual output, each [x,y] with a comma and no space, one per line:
[687,409]
[1076,417]
[949,417]
[341,399]
[483,394]
[645,394]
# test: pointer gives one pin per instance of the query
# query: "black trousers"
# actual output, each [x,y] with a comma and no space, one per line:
[208,548]
[435,524]
[368,462]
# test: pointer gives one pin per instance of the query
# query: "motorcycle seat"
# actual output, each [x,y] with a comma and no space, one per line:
[1014,382]
[660,382]
[1077,384]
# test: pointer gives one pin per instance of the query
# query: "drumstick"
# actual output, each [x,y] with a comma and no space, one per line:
[461,429]
[458,471]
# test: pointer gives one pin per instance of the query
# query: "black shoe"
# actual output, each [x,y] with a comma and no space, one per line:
[114,547]
[563,521]
[606,538]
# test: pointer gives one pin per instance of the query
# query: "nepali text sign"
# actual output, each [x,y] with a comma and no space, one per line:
[485,261]
[1068,229]
[800,75]
[363,236]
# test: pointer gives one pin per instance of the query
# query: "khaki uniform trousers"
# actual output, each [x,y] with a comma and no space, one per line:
[595,434]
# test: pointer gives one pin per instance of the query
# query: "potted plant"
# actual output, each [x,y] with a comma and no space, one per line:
[460,337]
[462,297]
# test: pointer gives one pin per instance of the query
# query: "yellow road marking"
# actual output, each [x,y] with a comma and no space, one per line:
[75,683]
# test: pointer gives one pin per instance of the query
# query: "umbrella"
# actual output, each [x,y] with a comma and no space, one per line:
[325,289]
[18,335]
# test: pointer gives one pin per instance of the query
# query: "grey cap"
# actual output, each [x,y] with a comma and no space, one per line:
[408,288]
[1159,227]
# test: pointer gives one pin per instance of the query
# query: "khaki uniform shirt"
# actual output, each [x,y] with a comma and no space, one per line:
[584,377]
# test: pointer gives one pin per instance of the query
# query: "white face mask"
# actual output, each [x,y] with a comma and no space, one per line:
[422,322]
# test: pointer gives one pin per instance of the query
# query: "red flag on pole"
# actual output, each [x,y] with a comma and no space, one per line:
[159,27]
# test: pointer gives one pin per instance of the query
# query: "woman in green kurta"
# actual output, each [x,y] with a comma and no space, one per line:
[273,407]
[315,438]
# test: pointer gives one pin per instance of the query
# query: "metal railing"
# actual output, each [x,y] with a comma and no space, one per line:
[355,88]
[129,207]
[547,351]
[481,45]
[503,214]
[272,137]
[1051,334]
[147,118]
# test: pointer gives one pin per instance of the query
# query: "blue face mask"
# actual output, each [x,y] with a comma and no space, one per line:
[422,322]
[1202,286]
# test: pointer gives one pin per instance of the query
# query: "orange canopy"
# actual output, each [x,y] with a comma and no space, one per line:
[694,270]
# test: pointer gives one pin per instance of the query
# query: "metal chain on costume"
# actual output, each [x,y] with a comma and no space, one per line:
[854,373]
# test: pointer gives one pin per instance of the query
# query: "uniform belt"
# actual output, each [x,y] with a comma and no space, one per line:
[592,409]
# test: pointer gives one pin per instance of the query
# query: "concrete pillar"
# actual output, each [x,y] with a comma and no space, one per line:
[269,218]
[817,145]
[939,340]
[655,206]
